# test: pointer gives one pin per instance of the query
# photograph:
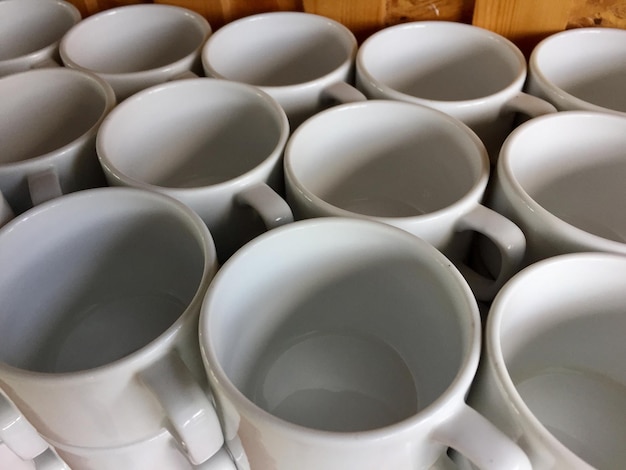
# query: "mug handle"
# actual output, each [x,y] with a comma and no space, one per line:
[189,409]
[6,212]
[476,438]
[46,63]
[529,105]
[506,236]
[23,439]
[340,93]
[267,203]
[44,185]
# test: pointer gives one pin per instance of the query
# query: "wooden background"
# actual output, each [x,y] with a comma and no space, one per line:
[525,22]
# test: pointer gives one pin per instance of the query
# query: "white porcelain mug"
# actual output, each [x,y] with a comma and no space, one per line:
[101,293]
[136,46]
[406,165]
[468,72]
[48,124]
[552,374]
[215,145]
[30,31]
[560,178]
[345,344]
[305,61]
[581,69]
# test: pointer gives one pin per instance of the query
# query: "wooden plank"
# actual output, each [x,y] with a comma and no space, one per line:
[609,13]
[363,17]
[400,11]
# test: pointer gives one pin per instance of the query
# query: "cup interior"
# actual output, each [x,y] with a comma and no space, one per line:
[47,109]
[278,49]
[559,332]
[192,133]
[573,165]
[372,329]
[589,64]
[385,159]
[95,277]
[134,38]
[441,61]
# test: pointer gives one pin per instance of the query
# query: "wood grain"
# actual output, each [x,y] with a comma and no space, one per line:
[605,13]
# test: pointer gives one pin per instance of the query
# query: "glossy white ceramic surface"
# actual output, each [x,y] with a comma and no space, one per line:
[552,375]
[581,69]
[406,165]
[208,143]
[136,46]
[30,31]
[101,293]
[303,60]
[468,72]
[352,351]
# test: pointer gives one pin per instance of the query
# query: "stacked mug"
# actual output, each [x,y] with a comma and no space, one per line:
[268,247]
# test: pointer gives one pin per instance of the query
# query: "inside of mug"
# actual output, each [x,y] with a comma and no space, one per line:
[192,133]
[359,331]
[95,278]
[561,337]
[45,110]
[441,61]
[279,49]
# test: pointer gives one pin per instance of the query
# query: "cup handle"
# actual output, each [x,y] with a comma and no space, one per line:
[189,409]
[507,237]
[340,93]
[473,436]
[23,439]
[44,185]
[529,105]
[6,212]
[46,63]
[272,208]
[184,75]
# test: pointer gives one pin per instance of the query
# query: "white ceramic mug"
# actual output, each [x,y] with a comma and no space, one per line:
[345,344]
[136,46]
[48,124]
[101,293]
[552,374]
[560,178]
[303,60]
[581,69]
[468,72]
[30,31]
[215,145]
[406,165]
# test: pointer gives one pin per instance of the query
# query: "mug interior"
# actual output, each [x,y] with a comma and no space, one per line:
[385,159]
[133,38]
[191,133]
[560,335]
[47,109]
[589,64]
[278,49]
[94,277]
[573,165]
[371,330]
[441,61]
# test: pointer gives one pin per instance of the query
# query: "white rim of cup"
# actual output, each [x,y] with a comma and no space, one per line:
[493,349]
[504,167]
[282,15]
[516,84]
[535,59]
[108,96]
[241,180]
[462,379]
[472,195]
[187,217]
[76,29]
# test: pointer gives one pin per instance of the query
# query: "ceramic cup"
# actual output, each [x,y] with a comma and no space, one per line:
[560,178]
[30,31]
[48,124]
[101,293]
[405,165]
[136,46]
[303,60]
[345,344]
[468,72]
[215,145]
[552,375]
[581,69]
